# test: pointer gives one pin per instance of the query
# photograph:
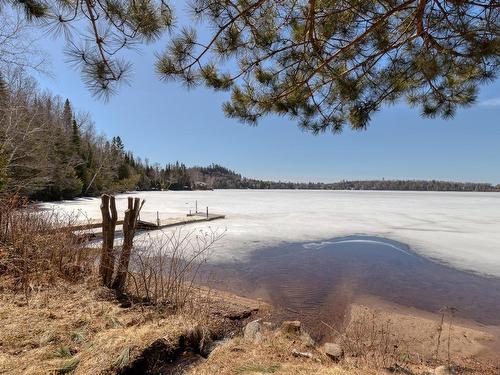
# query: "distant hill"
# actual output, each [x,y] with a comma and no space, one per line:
[218,177]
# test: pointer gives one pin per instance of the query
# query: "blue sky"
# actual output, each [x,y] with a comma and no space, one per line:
[164,122]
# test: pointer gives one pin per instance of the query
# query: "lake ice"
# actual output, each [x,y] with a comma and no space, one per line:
[460,229]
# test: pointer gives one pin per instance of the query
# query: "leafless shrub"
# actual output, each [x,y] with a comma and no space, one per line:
[373,342]
[37,245]
[166,268]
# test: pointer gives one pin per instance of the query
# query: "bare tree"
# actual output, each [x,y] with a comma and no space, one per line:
[18,44]
[20,124]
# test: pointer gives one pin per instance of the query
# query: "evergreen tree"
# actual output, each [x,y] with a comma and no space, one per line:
[67,115]
[118,144]
[75,136]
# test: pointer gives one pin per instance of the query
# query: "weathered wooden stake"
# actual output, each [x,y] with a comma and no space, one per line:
[109,219]
[207,211]
[129,227]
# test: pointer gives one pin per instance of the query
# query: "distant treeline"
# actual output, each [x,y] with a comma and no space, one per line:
[50,152]
[402,185]
[218,177]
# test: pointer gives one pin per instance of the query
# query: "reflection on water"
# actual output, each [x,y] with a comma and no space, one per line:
[317,281]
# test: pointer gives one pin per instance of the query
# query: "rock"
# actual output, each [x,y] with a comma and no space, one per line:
[307,339]
[334,351]
[443,370]
[296,353]
[291,327]
[253,331]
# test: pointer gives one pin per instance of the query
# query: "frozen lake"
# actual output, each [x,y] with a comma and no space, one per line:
[459,229]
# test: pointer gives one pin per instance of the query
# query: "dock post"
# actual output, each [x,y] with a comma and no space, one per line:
[196,206]
[207,212]
[157,218]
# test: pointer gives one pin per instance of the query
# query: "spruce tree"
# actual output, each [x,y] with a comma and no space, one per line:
[118,144]
[67,115]
[75,136]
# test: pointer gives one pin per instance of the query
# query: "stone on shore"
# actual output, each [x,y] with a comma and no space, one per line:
[334,351]
[253,331]
[307,339]
[296,353]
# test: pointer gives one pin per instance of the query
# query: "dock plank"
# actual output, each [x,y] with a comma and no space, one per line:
[94,226]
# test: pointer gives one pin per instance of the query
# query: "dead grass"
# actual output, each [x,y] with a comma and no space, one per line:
[71,328]
[273,355]
[80,329]
[36,246]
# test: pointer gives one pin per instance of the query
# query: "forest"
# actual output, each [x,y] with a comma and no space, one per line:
[51,151]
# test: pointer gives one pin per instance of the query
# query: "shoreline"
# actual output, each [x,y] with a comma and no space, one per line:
[92,328]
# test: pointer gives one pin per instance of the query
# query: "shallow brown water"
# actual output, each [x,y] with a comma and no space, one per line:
[314,282]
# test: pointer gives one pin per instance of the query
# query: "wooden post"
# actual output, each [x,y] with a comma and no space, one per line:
[157,218]
[196,206]
[129,227]
[109,219]
[207,212]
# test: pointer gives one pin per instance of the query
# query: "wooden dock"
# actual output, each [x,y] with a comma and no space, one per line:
[172,222]
[92,228]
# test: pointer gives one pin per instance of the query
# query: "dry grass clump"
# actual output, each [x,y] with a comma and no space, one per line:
[374,342]
[71,328]
[272,355]
[35,247]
